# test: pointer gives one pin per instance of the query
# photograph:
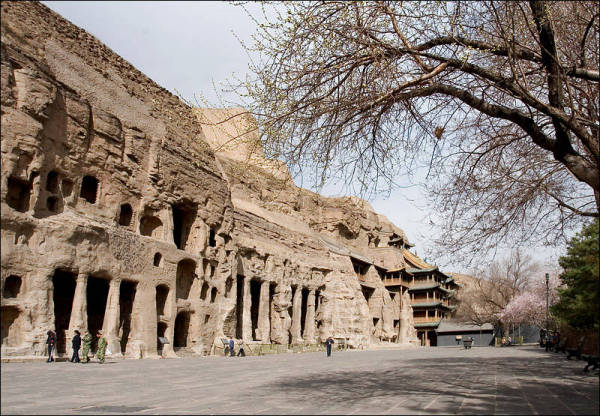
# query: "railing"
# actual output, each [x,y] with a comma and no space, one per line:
[426,320]
[393,282]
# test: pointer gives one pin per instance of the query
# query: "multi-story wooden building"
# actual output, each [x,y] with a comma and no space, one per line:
[431,293]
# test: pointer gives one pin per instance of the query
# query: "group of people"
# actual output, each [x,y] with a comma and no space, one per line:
[549,339]
[76,343]
[102,347]
[328,344]
[241,351]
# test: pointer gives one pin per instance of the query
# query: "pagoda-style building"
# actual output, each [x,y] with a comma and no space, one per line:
[431,293]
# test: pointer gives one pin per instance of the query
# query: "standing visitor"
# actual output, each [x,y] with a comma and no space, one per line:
[328,344]
[51,342]
[231,347]
[101,347]
[87,346]
[76,345]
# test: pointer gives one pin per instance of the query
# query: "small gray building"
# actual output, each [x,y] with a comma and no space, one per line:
[452,333]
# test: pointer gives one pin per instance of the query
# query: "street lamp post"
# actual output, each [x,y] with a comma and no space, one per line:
[547,316]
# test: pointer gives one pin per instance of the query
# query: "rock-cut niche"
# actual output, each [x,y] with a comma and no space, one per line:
[151,226]
[18,194]
[125,214]
[184,214]
[89,189]
[186,272]
[12,286]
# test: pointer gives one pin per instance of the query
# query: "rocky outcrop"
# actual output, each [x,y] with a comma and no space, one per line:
[122,211]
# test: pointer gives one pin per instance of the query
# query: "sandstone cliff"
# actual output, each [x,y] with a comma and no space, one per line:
[122,211]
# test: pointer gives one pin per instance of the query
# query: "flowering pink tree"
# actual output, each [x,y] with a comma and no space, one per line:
[529,306]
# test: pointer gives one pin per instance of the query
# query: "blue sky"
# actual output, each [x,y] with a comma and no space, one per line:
[191,49]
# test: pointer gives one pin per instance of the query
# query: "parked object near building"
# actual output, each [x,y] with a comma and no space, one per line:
[451,333]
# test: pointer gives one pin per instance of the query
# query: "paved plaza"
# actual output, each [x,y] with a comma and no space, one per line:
[518,380]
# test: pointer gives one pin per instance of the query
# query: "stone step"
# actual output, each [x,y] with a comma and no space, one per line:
[185,352]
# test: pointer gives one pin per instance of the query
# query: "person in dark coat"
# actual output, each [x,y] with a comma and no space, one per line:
[328,344]
[76,345]
[231,347]
[51,342]
[241,351]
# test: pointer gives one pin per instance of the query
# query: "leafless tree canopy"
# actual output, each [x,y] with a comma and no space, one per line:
[482,300]
[498,100]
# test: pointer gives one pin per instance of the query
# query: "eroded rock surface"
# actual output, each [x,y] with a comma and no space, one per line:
[122,211]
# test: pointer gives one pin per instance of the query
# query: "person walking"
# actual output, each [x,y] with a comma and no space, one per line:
[51,342]
[76,343]
[241,351]
[87,346]
[231,347]
[328,344]
[101,347]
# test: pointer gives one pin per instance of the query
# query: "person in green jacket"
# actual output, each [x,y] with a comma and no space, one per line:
[101,347]
[87,346]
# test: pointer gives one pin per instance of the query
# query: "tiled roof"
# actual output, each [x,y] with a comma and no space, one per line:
[415,270]
[339,248]
[449,326]
[414,260]
[424,287]
[427,325]
[360,257]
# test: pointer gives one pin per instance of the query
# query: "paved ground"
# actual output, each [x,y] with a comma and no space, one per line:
[518,380]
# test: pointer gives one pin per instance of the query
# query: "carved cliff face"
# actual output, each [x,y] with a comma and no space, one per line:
[118,216]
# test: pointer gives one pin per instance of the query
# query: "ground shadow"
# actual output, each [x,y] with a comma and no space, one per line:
[496,384]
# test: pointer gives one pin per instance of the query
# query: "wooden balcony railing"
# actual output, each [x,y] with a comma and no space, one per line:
[393,282]
[426,320]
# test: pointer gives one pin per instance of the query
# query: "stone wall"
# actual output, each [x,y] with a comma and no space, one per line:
[117,215]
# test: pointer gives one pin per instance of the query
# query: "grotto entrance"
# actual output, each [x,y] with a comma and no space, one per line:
[10,334]
[97,295]
[304,309]
[254,305]
[126,299]
[182,325]
[239,306]
[161,330]
[64,283]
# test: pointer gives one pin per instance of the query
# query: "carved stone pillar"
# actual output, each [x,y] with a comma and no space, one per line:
[246,317]
[296,316]
[309,324]
[78,318]
[110,327]
[264,324]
